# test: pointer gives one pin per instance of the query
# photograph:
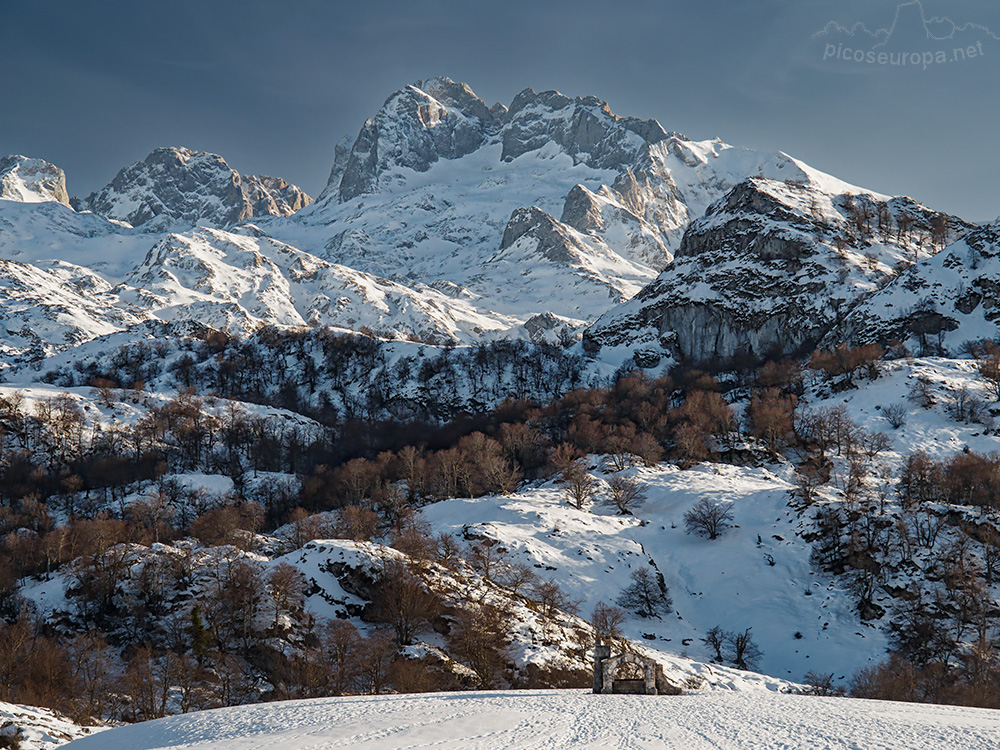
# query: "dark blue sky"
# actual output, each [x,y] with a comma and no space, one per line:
[93,86]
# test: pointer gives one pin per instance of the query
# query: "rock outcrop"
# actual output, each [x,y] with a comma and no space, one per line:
[768,271]
[29,180]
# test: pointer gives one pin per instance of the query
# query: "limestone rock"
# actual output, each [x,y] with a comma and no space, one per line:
[31,180]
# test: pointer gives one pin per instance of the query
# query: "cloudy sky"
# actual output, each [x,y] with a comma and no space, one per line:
[93,86]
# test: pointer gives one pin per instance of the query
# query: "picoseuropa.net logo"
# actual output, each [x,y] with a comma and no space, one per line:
[912,41]
[913,59]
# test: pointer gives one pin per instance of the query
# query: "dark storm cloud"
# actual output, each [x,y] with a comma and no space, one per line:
[272,86]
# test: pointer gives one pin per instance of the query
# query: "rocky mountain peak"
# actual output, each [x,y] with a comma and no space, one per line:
[177,188]
[29,180]
[769,270]
[442,119]
[584,127]
[417,125]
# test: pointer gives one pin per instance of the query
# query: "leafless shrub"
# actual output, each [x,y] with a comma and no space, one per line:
[708,518]
[895,414]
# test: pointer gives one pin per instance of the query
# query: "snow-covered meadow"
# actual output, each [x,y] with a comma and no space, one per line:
[544,720]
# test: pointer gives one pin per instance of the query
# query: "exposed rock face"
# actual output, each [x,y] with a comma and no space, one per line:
[553,242]
[585,128]
[939,303]
[441,119]
[176,188]
[31,180]
[272,196]
[768,271]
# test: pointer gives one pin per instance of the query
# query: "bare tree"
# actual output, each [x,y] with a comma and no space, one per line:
[402,601]
[821,683]
[481,638]
[922,392]
[607,620]
[375,655]
[746,653]
[517,576]
[708,518]
[288,587]
[578,485]
[716,639]
[487,558]
[989,367]
[341,645]
[647,595]
[551,599]
[626,494]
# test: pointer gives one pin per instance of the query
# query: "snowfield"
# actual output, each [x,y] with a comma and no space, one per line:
[563,719]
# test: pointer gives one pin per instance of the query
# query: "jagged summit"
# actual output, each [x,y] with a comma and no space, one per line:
[441,119]
[178,188]
[417,125]
[29,180]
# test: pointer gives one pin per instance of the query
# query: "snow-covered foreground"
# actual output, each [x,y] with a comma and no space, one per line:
[567,719]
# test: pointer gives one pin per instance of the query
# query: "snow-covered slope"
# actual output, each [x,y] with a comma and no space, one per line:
[939,303]
[244,280]
[177,188]
[800,618]
[554,720]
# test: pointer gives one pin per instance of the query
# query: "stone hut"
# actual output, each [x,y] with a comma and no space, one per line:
[608,678]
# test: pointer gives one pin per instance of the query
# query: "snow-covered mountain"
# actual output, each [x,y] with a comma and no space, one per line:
[450,220]
[552,205]
[445,220]
[771,268]
[177,188]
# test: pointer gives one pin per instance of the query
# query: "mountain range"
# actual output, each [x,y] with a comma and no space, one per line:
[448,220]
